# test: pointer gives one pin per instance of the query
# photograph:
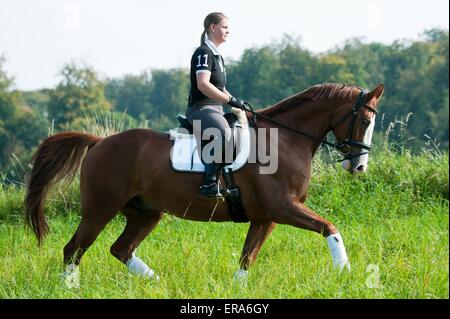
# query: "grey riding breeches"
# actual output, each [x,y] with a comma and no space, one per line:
[210,116]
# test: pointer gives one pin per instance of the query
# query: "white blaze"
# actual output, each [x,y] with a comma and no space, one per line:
[369,132]
[361,161]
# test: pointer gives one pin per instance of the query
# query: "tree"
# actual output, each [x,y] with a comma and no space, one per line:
[296,70]
[8,99]
[8,109]
[333,68]
[37,100]
[253,78]
[169,97]
[131,94]
[21,128]
[364,62]
[80,93]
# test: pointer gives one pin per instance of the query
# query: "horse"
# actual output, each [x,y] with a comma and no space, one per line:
[130,172]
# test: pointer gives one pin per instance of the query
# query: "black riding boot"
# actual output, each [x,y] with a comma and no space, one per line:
[210,186]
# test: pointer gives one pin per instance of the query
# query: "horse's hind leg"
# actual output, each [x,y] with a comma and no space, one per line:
[256,236]
[95,216]
[298,215]
[86,233]
[139,225]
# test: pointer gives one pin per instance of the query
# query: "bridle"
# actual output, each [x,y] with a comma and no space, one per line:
[344,147]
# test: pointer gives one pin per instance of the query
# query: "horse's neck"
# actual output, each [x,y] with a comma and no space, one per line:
[312,118]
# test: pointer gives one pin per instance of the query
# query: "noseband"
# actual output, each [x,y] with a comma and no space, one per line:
[343,147]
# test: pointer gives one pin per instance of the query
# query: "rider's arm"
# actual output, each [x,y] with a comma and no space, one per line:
[209,89]
[225,90]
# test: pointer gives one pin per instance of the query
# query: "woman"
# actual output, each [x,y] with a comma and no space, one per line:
[207,94]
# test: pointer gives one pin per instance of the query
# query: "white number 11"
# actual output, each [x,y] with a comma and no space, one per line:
[200,58]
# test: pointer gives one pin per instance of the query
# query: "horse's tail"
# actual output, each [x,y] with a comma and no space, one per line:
[58,156]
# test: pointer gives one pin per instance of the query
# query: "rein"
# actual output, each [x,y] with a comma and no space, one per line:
[347,143]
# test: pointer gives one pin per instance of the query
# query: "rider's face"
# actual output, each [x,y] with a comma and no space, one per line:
[219,32]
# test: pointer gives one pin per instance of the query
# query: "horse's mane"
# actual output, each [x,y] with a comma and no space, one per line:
[325,91]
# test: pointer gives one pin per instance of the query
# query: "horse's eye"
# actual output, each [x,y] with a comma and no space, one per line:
[365,122]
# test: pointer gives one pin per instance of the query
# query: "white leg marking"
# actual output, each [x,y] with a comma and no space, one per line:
[338,253]
[137,267]
[71,276]
[241,276]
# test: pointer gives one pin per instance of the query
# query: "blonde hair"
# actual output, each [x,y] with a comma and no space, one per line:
[212,18]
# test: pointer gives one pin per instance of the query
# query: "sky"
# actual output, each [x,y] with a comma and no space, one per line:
[118,37]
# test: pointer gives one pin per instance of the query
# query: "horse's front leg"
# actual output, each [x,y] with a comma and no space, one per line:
[298,215]
[256,236]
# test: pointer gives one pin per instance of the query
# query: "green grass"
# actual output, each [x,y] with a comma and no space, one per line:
[394,218]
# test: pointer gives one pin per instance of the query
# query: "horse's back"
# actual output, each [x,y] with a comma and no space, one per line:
[118,158]
[132,139]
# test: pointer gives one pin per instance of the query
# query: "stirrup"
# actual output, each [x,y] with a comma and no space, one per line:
[210,190]
[213,190]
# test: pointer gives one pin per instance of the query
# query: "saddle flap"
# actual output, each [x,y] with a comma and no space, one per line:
[185,156]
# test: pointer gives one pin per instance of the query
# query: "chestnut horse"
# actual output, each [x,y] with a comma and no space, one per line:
[131,172]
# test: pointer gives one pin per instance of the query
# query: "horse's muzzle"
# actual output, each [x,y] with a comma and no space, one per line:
[354,169]
[359,169]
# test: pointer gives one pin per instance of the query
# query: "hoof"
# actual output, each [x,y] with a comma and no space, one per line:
[137,267]
[147,274]
[346,266]
[343,265]
[151,275]
[241,276]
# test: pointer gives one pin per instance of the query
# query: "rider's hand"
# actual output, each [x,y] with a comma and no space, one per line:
[236,102]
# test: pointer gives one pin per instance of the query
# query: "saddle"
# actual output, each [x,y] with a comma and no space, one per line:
[185,153]
[185,156]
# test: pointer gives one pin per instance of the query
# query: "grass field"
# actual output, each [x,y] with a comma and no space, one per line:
[394,221]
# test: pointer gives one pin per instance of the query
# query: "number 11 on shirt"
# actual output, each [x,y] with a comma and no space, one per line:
[200,60]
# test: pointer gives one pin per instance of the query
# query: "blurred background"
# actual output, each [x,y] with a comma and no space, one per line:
[106,66]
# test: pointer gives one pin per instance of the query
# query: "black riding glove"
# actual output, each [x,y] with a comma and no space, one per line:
[236,102]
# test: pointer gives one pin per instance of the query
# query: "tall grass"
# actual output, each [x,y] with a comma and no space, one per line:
[394,221]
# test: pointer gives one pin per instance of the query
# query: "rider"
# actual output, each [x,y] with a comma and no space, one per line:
[208,93]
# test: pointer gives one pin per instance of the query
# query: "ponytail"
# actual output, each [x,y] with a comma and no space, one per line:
[203,37]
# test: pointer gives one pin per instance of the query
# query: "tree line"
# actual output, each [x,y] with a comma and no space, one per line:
[415,74]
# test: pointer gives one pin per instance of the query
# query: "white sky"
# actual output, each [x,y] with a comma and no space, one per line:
[130,36]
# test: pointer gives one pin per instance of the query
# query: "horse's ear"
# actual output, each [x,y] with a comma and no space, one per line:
[376,92]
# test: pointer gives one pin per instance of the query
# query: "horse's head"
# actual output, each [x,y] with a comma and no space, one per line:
[353,125]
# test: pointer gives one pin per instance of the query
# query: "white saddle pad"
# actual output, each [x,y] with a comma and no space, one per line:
[185,156]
